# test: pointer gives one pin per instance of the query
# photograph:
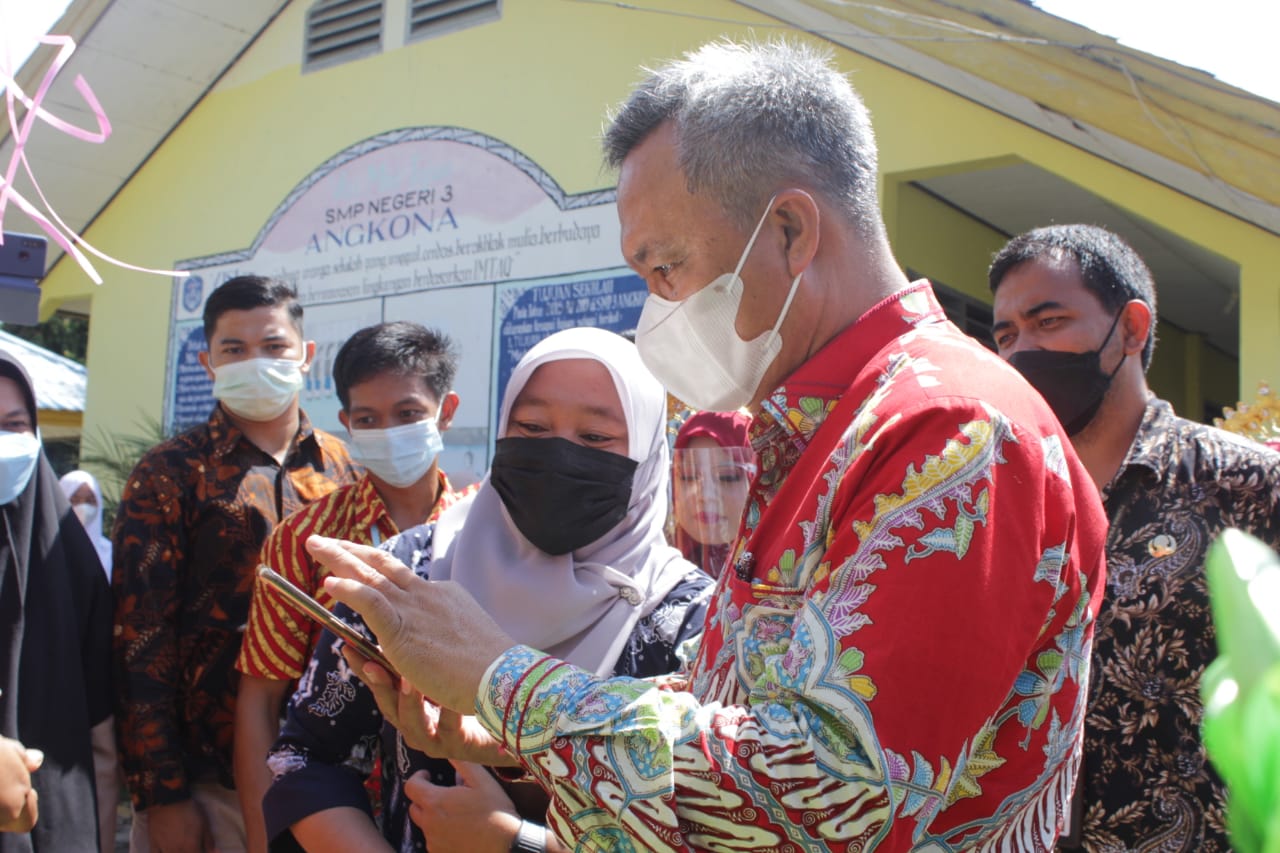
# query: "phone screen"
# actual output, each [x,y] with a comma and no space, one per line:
[320,614]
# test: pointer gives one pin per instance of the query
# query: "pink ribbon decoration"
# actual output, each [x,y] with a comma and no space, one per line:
[52,224]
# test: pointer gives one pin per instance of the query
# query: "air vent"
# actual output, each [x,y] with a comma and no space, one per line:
[341,30]
[429,18]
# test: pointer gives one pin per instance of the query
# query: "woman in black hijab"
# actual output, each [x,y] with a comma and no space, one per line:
[55,632]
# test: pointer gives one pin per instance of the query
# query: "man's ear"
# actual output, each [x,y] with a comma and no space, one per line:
[344,419]
[309,348]
[203,356]
[1135,325]
[448,406]
[801,218]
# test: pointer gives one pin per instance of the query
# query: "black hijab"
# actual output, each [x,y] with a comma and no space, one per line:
[55,650]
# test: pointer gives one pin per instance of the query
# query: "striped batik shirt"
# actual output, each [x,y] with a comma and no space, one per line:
[279,637]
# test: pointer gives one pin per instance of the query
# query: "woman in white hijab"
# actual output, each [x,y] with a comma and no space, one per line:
[562,544]
[85,496]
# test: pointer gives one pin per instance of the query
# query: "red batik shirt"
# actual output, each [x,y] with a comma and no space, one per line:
[895,658]
[280,637]
[189,529]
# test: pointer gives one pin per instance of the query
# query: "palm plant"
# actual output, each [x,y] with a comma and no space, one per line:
[112,456]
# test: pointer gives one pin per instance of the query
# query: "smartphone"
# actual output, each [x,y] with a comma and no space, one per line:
[320,614]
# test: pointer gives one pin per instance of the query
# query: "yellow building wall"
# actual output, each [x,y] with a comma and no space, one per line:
[940,242]
[1220,381]
[541,79]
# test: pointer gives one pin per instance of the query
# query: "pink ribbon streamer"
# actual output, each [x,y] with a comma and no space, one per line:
[52,224]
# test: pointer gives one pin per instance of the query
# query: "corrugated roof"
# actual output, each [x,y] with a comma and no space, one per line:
[60,382]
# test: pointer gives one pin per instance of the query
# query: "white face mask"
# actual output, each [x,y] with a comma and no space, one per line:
[692,348]
[85,512]
[18,454]
[398,456]
[258,389]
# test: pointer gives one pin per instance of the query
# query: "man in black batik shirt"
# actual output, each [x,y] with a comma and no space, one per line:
[1075,314]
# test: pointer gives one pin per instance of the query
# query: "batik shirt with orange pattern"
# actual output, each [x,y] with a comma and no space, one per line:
[896,657]
[191,523]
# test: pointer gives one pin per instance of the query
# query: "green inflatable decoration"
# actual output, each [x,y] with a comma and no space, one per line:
[1242,687]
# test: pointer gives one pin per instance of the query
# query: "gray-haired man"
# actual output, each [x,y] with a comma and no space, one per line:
[896,657]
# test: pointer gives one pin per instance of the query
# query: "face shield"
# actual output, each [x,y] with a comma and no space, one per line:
[709,486]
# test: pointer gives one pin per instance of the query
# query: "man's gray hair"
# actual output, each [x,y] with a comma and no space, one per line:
[751,117]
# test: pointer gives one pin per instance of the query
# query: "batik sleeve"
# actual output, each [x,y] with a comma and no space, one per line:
[149,548]
[278,634]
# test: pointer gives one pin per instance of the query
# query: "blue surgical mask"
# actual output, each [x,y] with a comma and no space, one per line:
[18,454]
[398,456]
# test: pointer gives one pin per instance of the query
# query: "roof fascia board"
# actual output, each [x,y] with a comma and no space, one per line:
[1073,131]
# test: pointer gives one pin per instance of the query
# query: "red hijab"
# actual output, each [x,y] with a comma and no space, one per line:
[727,429]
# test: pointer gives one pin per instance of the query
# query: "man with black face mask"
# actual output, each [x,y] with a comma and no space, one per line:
[1075,314]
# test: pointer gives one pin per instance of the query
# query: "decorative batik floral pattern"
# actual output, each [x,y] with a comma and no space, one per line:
[896,657]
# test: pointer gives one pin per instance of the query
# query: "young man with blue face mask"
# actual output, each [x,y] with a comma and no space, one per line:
[189,529]
[395,384]
[1075,314]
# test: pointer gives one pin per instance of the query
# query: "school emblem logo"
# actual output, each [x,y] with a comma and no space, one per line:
[192,292]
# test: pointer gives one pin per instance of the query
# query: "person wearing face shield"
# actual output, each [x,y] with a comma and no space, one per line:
[188,533]
[395,384]
[55,646]
[562,545]
[895,657]
[1075,313]
[711,468]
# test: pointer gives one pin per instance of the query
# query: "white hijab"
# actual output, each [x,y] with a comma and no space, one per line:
[70,483]
[580,606]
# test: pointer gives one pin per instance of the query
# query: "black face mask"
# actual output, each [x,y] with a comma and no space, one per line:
[561,495]
[1072,383]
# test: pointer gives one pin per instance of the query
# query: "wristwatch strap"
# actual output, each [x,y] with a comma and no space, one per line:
[531,838]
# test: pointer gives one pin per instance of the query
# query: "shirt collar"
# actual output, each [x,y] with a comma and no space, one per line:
[374,509]
[1153,445]
[226,436]
[796,409]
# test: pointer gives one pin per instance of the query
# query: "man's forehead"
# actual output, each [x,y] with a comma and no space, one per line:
[651,170]
[265,321]
[401,388]
[1043,277]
